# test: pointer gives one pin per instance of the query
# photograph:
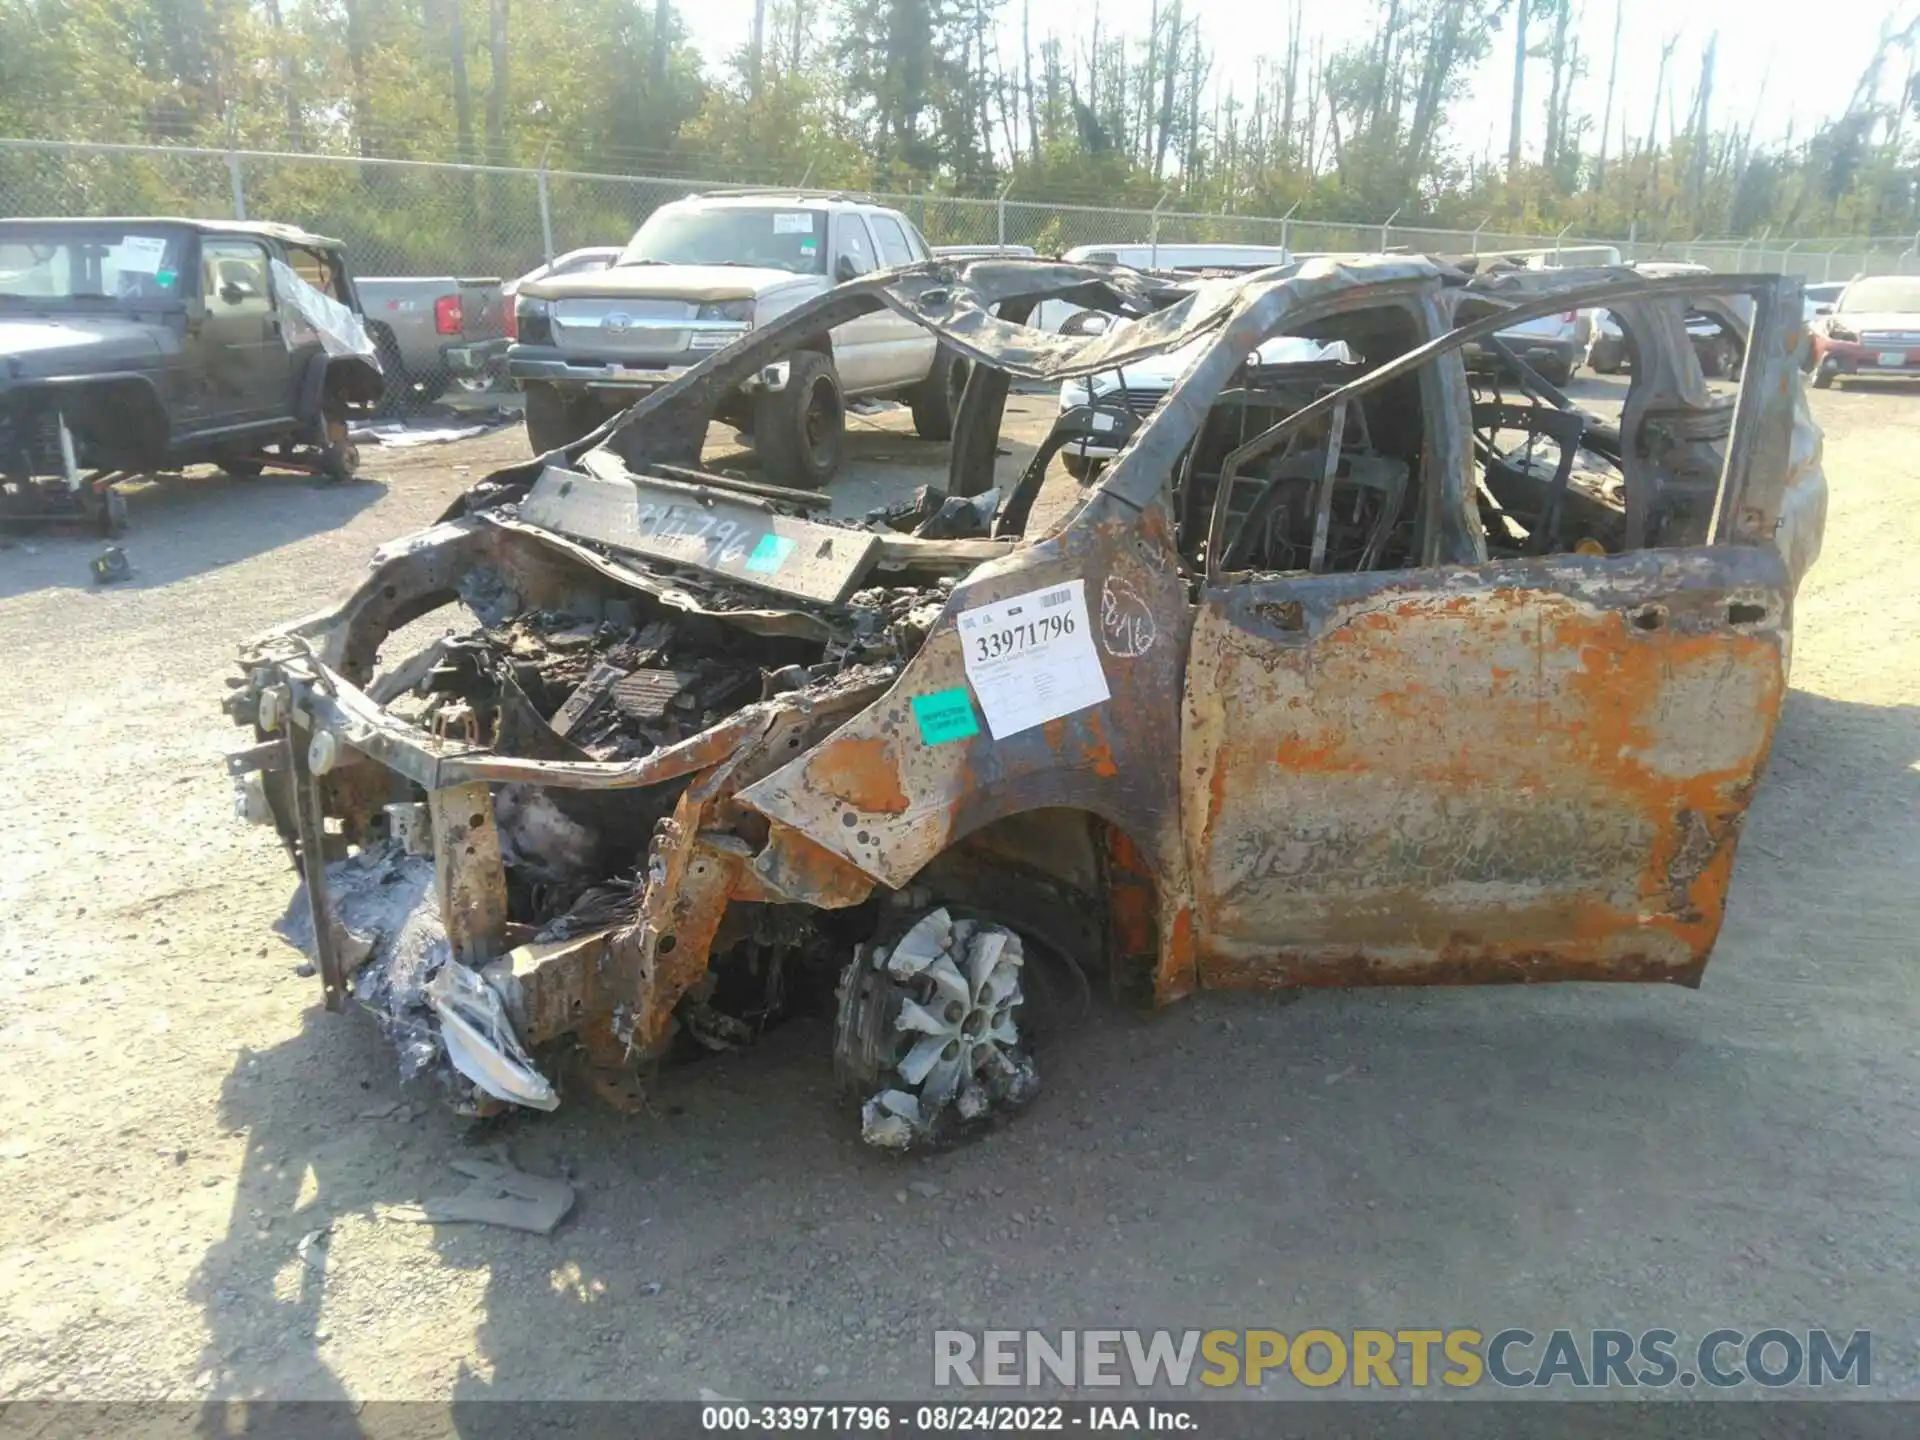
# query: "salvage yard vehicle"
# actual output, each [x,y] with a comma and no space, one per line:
[1105,408]
[435,333]
[1717,345]
[1872,330]
[1353,678]
[128,346]
[696,276]
[1551,344]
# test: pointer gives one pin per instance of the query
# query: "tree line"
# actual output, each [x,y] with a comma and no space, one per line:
[964,97]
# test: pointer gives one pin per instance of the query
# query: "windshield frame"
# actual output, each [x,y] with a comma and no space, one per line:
[178,258]
[710,220]
[1845,306]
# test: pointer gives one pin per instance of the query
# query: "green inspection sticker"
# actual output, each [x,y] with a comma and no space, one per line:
[770,554]
[945,715]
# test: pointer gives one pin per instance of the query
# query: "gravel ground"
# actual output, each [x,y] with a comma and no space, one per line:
[180,1114]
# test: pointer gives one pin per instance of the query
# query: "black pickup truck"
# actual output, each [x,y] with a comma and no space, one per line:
[134,345]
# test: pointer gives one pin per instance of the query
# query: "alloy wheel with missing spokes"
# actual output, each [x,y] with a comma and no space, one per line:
[928,1031]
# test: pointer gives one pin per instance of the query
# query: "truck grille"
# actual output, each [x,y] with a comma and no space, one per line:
[1140,402]
[1891,339]
[622,329]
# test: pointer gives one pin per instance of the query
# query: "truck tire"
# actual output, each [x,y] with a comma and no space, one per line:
[554,418]
[395,386]
[339,456]
[800,432]
[936,399]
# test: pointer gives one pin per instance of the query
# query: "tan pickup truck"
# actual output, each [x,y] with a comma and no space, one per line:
[698,275]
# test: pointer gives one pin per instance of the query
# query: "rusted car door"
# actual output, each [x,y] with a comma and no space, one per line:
[1530,769]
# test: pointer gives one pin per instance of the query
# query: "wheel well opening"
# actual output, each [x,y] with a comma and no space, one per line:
[1071,880]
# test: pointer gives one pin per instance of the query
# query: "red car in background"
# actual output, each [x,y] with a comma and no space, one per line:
[1873,329]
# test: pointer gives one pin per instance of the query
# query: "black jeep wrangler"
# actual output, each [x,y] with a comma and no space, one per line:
[135,345]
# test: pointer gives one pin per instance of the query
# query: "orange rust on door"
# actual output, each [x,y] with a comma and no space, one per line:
[1533,771]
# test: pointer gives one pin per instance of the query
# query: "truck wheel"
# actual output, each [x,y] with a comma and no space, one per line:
[554,418]
[927,1031]
[395,386]
[339,456]
[936,399]
[426,389]
[800,432]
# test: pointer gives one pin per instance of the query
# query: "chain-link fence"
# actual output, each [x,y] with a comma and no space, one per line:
[424,217]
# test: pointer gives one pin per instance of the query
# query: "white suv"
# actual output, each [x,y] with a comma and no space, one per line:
[699,274]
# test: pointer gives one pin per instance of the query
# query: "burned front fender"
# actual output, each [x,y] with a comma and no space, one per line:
[972,733]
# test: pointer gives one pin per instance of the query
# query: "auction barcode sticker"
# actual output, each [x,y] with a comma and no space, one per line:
[1031,658]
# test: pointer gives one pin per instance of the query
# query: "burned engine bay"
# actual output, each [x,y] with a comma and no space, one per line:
[705,758]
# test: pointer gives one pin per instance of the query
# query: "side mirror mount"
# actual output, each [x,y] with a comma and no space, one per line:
[1087,322]
[843,270]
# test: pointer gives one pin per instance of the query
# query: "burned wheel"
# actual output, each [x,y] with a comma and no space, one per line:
[928,1032]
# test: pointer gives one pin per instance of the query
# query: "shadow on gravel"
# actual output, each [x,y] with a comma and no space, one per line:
[179,526]
[1540,1157]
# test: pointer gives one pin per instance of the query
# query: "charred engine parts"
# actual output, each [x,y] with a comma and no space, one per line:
[930,1021]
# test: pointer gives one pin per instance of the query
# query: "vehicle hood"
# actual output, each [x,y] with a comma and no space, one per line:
[41,345]
[1550,327]
[1864,320]
[1158,372]
[671,282]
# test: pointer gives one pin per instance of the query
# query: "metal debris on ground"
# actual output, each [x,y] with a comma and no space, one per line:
[480,1040]
[110,566]
[497,1193]
[312,1247]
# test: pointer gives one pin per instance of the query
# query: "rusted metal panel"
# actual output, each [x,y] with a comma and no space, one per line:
[552,986]
[467,869]
[793,869]
[688,887]
[309,818]
[1527,771]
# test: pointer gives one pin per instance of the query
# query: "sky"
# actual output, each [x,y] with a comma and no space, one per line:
[1809,64]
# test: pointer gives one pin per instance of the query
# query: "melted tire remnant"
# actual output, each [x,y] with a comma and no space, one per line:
[926,1029]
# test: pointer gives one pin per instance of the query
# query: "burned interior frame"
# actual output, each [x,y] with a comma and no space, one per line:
[1353,694]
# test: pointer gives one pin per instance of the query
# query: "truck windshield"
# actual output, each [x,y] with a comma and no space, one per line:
[794,239]
[1887,294]
[95,263]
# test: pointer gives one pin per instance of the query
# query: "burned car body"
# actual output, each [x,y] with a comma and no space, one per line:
[1332,678]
